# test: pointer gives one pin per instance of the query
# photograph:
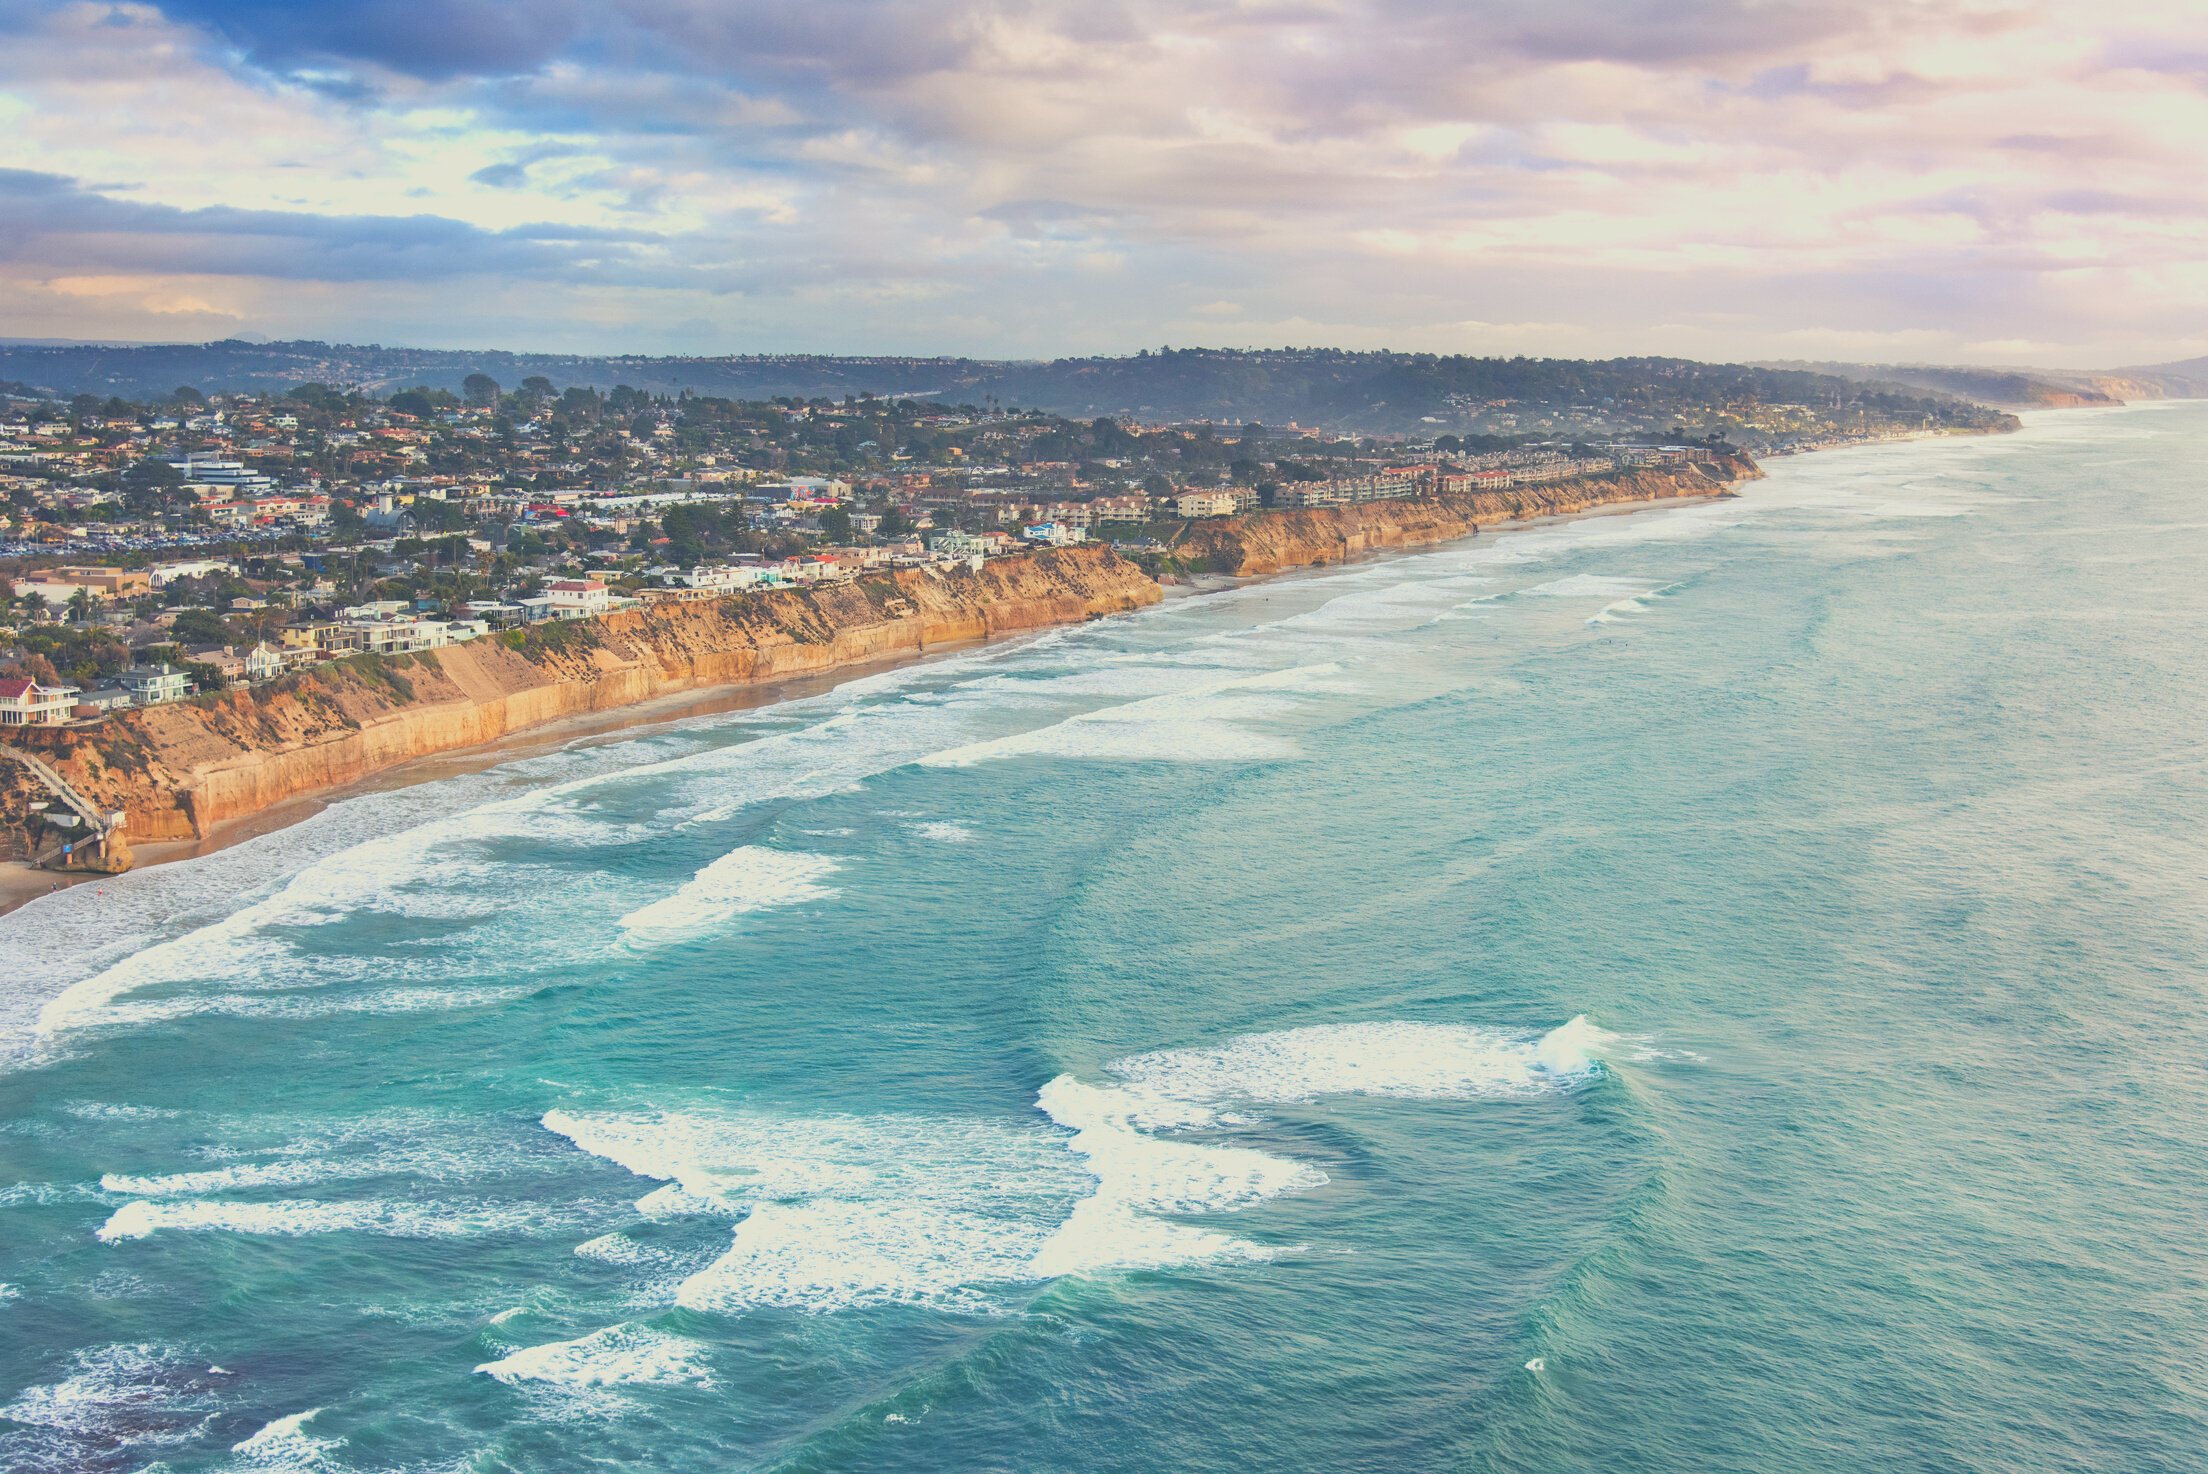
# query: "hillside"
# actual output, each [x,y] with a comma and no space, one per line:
[1370,393]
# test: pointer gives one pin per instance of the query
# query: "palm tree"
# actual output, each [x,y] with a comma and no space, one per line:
[80,606]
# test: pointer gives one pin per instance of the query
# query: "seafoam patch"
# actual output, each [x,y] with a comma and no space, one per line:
[626,1355]
[296,1217]
[836,1212]
[751,878]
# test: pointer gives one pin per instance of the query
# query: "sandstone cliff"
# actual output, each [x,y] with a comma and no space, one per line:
[178,771]
[1268,542]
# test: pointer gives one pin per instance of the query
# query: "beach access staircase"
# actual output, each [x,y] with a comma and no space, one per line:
[97,822]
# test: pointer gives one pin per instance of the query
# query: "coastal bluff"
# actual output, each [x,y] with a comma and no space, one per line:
[181,770]
[1271,542]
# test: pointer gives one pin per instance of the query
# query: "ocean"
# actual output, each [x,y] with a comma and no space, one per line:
[1713,988]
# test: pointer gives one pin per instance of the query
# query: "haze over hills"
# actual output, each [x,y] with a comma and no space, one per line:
[2027,388]
[1365,392]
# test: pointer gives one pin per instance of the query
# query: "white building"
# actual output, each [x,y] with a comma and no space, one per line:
[728,578]
[578,598]
[1219,502]
[1055,534]
[151,685]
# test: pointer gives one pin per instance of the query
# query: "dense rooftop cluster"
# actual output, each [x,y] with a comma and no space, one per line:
[214,538]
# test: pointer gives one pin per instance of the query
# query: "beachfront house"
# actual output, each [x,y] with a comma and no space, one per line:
[26,703]
[1218,502]
[577,598]
[151,685]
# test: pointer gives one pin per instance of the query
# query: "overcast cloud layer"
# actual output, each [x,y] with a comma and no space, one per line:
[1987,180]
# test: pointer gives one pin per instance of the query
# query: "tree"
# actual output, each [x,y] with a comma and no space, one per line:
[81,606]
[147,485]
[200,627]
[479,389]
[836,522]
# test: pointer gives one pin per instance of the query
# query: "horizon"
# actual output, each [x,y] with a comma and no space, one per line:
[1952,185]
[258,340]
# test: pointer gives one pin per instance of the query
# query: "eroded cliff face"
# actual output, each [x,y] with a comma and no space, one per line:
[178,771]
[1268,542]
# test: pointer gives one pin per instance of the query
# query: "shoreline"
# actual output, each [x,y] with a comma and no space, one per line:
[21,883]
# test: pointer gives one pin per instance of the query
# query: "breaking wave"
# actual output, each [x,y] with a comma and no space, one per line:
[836,1212]
[752,878]
[292,1218]
[623,1355]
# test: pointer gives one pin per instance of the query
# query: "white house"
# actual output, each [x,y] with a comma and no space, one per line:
[151,685]
[724,578]
[1056,534]
[263,663]
[578,598]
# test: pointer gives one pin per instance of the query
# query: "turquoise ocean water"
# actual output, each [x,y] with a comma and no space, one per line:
[1720,988]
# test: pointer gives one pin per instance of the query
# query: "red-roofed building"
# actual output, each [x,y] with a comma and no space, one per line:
[26,703]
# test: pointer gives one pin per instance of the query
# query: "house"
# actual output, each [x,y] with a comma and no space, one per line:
[497,614]
[99,701]
[221,659]
[151,685]
[26,703]
[577,598]
[956,544]
[1056,534]
[263,663]
[724,579]
[109,582]
[1214,502]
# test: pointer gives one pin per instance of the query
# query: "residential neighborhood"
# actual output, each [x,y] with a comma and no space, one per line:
[152,551]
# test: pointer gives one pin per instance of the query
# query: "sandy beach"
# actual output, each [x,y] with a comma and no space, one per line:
[21,884]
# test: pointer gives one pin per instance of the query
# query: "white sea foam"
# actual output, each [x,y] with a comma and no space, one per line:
[1206,722]
[752,878]
[623,1355]
[834,1255]
[124,1395]
[292,1218]
[842,1211]
[320,1004]
[1590,586]
[284,1444]
[1140,1175]
[423,1151]
[370,875]
[215,1179]
[944,832]
[1412,1060]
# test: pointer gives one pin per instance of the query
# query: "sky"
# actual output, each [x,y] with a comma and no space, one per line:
[1984,181]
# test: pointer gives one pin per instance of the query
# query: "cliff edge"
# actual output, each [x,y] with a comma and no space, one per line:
[180,770]
[1268,542]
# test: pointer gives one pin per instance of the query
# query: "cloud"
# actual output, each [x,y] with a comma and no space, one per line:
[1725,176]
[432,42]
[51,221]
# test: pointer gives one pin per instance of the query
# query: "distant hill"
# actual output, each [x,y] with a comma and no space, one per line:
[1373,393]
[2185,379]
[2001,388]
